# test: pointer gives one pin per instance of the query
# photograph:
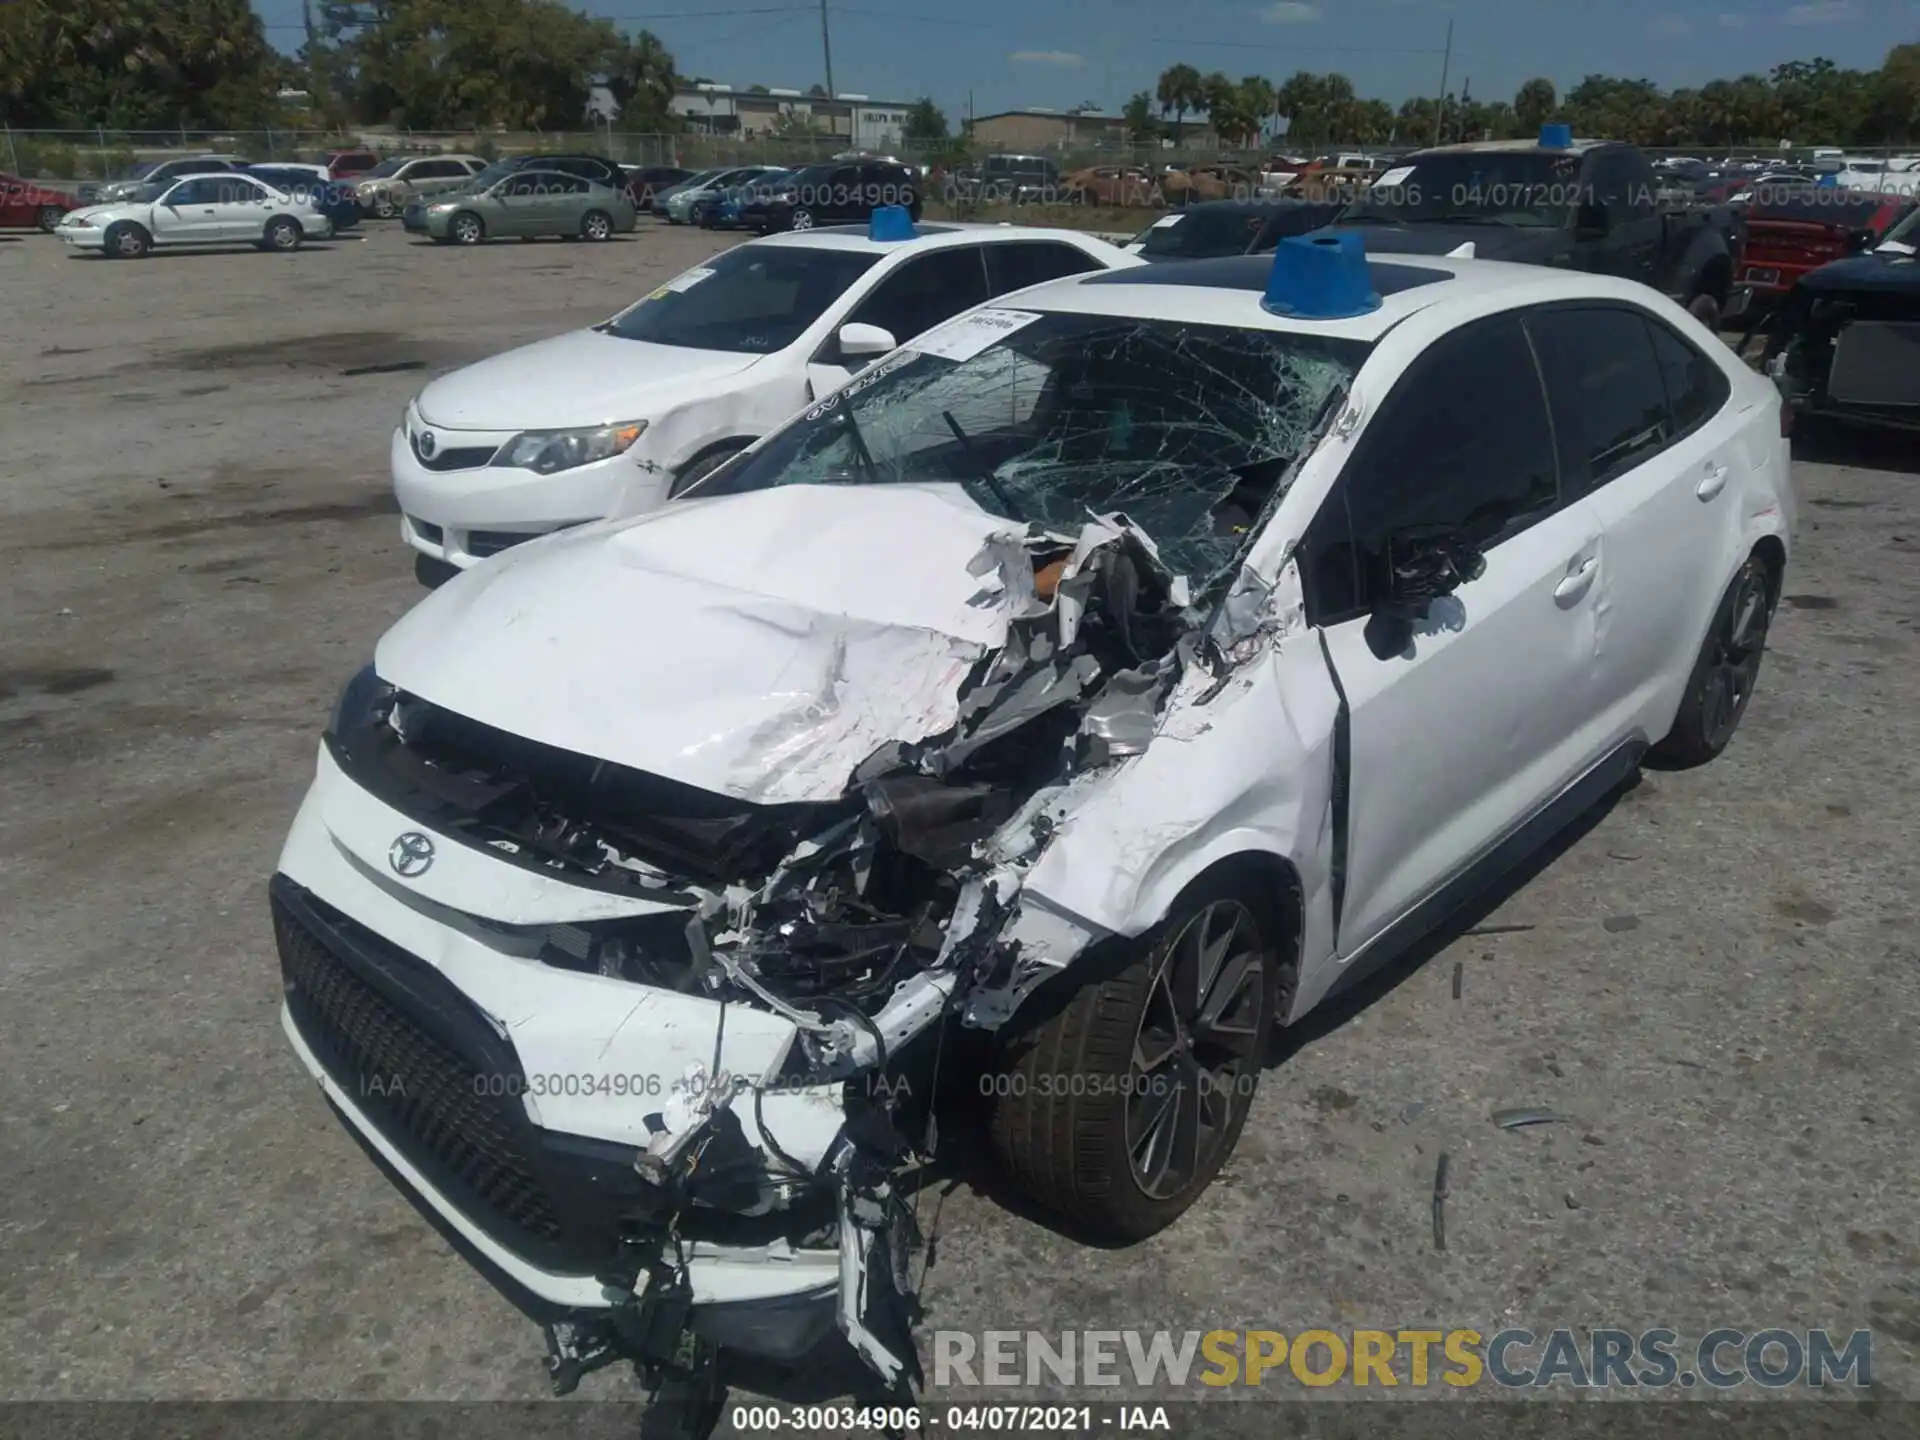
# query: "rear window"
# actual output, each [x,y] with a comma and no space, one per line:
[1201,234]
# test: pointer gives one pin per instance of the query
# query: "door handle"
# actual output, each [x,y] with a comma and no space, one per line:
[1576,583]
[1713,483]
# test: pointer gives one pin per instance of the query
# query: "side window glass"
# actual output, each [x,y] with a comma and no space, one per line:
[1696,387]
[1022,263]
[1462,441]
[925,291]
[1603,381]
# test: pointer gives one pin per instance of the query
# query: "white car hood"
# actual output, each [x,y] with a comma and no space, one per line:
[580,378]
[760,646]
[105,210]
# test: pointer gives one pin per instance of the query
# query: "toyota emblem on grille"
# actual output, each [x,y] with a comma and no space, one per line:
[426,444]
[410,855]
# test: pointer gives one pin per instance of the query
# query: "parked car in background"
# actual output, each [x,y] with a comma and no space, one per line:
[1198,183]
[385,190]
[1110,186]
[29,205]
[345,164]
[726,209]
[1217,228]
[1581,205]
[664,193]
[1794,229]
[1846,342]
[837,194]
[524,205]
[689,203]
[1875,175]
[332,198]
[644,181]
[226,209]
[1010,180]
[160,172]
[618,417]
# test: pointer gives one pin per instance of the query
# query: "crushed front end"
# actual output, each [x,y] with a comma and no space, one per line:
[1846,344]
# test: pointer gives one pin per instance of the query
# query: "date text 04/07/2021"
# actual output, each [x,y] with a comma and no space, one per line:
[967,1419]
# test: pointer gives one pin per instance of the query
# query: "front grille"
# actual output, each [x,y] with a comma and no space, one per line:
[492,542]
[459,457]
[430,1100]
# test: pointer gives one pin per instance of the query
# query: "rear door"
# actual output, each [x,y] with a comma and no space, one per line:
[1650,435]
[1479,720]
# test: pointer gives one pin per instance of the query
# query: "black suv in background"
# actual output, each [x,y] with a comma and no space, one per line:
[844,193]
[645,181]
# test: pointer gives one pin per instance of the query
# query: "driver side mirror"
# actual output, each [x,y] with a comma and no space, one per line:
[1423,564]
[1590,221]
[863,342]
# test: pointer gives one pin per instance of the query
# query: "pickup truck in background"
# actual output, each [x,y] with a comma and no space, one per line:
[1577,204]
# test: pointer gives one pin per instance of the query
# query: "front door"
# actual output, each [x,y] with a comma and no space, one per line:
[1457,735]
[189,213]
[907,301]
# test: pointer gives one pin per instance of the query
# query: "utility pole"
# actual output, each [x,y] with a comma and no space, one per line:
[1440,105]
[826,47]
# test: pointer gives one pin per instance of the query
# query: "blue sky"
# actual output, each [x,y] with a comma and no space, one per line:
[1011,53]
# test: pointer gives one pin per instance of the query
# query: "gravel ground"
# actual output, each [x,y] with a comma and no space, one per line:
[1715,981]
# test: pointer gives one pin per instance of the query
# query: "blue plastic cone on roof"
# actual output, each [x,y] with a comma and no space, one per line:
[891,222]
[1322,276]
[1556,137]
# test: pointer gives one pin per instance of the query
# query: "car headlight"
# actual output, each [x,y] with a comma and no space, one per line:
[365,700]
[76,223]
[545,451]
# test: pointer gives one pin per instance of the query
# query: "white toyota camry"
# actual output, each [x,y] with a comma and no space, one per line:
[614,418]
[1115,674]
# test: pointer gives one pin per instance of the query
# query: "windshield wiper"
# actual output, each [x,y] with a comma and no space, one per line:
[982,469]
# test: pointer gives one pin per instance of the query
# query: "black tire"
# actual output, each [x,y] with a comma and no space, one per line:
[49,218]
[126,241]
[1090,1090]
[283,234]
[466,228]
[384,207]
[596,225]
[1725,671]
[697,215]
[433,573]
[700,467]
[802,219]
[1706,310]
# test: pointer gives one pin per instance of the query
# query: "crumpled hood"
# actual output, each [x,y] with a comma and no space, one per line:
[98,209]
[1866,272]
[760,646]
[581,378]
[1490,242]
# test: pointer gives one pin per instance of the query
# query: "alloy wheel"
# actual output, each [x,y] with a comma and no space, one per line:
[1728,683]
[1196,1052]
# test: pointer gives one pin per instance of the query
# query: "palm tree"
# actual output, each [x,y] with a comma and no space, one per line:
[1179,91]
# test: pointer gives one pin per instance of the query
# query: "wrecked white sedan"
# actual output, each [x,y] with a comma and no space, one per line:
[1094,686]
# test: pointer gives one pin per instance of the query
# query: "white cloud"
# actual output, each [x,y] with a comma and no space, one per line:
[1731,21]
[1822,12]
[1669,26]
[1048,57]
[1290,12]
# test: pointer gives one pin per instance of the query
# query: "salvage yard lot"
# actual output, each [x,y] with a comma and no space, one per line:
[1715,983]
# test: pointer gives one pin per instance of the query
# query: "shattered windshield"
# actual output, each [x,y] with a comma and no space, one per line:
[1185,429]
[1494,187]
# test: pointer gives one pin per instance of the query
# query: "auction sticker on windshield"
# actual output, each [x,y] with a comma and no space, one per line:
[1166,222]
[966,337]
[1394,179]
[681,283]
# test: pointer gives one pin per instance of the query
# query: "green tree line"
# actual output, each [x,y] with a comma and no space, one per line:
[1806,101]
